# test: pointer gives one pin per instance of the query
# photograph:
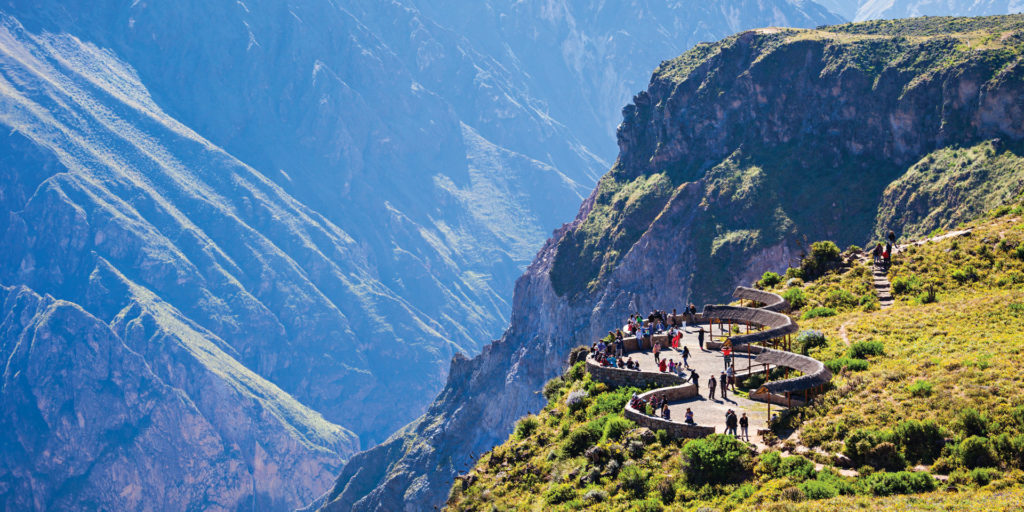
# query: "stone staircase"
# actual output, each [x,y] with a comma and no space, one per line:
[882,287]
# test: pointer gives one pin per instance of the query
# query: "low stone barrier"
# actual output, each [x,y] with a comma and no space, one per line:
[620,377]
[674,428]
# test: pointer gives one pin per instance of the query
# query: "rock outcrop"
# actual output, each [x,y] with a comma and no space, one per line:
[737,154]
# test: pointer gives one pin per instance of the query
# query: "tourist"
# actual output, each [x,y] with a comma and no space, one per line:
[689,417]
[712,383]
[662,366]
[695,379]
[671,366]
[731,374]
[679,371]
[744,423]
[601,347]
[726,354]
[613,362]
[665,412]
[620,347]
[686,356]
[730,422]
[700,338]
[892,237]
[877,253]
[725,383]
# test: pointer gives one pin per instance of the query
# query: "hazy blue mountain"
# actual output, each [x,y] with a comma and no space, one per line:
[860,10]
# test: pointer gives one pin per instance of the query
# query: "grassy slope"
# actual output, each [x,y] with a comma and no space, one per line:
[958,353]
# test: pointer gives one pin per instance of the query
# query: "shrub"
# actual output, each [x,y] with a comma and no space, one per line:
[906,285]
[797,468]
[794,273]
[808,340]
[818,312]
[595,496]
[921,441]
[965,274]
[769,279]
[816,490]
[559,493]
[984,476]
[1010,449]
[648,505]
[576,399]
[616,426]
[970,422]
[611,402]
[553,388]
[852,249]
[841,299]
[824,256]
[576,372]
[1019,252]
[920,388]
[768,464]
[796,297]
[715,459]
[862,349]
[634,480]
[526,427]
[903,482]
[577,441]
[874,447]
[667,490]
[976,452]
[853,365]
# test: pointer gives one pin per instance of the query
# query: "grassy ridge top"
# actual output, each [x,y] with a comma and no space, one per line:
[931,383]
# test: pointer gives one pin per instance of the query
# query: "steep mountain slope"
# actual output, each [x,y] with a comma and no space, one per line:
[446,159]
[736,154]
[138,384]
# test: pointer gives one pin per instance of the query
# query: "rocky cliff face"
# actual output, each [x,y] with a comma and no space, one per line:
[737,153]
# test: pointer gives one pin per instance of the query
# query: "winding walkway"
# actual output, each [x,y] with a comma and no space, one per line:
[710,413]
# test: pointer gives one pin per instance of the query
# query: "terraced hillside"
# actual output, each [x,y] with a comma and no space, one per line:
[924,411]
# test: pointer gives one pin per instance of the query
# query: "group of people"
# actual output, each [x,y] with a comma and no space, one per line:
[731,421]
[658,404]
[884,255]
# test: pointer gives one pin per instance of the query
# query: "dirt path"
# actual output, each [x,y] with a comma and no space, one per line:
[883,289]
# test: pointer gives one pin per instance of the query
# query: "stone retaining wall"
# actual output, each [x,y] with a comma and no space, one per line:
[619,377]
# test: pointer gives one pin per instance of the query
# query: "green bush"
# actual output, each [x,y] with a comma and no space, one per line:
[648,505]
[616,426]
[807,340]
[1010,449]
[768,464]
[553,388]
[768,280]
[634,480]
[610,401]
[970,422]
[797,468]
[794,273]
[559,493]
[903,482]
[920,388]
[576,372]
[715,459]
[796,297]
[906,285]
[818,312]
[817,490]
[976,452]
[853,365]
[965,274]
[1019,252]
[874,448]
[824,256]
[921,441]
[577,441]
[839,299]
[526,427]
[984,476]
[862,349]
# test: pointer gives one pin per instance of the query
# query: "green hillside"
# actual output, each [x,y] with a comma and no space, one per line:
[927,388]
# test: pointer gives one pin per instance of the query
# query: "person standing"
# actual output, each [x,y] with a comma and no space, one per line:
[711,387]
[695,379]
[744,423]
[686,356]
[700,338]
[730,422]
[725,384]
